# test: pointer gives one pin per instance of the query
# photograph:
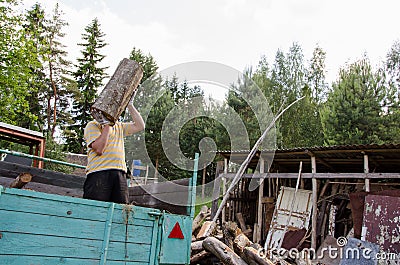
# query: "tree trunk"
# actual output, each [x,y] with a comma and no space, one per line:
[53,85]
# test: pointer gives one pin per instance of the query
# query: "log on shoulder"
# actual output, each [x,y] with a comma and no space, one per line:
[115,96]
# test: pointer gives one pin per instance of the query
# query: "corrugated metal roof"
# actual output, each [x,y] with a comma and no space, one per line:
[339,158]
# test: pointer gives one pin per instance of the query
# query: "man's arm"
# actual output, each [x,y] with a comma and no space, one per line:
[138,124]
[100,143]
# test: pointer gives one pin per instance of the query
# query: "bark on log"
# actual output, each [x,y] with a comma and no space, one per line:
[225,254]
[199,256]
[200,217]
[115,96]
[196,246]
[253,257]
[21,180]
[242,223]
[229,232]
[206,229]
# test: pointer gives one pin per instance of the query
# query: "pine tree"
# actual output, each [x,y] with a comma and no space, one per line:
[57,66]
[34,30]
[89,77]
[392,71]
[353,113]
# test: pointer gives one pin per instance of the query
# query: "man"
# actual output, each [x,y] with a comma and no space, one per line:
[106,168]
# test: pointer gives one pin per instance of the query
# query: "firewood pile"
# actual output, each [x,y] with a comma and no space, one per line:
[227,245]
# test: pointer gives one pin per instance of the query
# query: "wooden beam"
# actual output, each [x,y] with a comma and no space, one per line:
[258,228]
[321,160]
[366,171]
[320,175]
[224,187]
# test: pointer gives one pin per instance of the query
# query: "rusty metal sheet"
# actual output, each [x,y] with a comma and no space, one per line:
[300,215]
[381,223]
[357,206]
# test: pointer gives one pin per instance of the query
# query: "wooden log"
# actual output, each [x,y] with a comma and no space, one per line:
[240,218]
[196,246]
[253,257]
[241,241]
[225,254]
[115,96]
[229,233]
[21,180]
[200,217]
[199,256]
[206,229]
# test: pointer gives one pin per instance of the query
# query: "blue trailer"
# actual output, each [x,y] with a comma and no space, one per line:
[41,228]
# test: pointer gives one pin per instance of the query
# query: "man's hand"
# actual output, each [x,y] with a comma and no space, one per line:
[138,124]
[100,143]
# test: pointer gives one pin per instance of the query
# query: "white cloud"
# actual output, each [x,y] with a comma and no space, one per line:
[235,32]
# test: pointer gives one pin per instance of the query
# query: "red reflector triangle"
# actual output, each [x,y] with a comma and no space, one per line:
[176,232]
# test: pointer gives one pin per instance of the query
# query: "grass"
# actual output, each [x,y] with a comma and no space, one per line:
[200,202]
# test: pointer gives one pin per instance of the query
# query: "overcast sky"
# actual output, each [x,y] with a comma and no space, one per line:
[234,32]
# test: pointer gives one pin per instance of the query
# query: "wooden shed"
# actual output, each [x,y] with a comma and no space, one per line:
[330,172]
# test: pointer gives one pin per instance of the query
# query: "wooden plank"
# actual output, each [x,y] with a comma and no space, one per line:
[62,206]
[180,185]
[39,224]
[172,202]
[35,260]
[53,246]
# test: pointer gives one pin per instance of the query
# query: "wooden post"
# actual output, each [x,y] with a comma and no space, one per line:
[203,182]
[259,226]
[224,186]
[366,171]
[315,204]
[216,189]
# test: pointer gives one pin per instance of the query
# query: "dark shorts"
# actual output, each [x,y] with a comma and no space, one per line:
[106,185]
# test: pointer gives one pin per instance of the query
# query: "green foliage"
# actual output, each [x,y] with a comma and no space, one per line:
[17,59]
[354,111]
[146,61]
[60,84]
[89,77]
[55,151]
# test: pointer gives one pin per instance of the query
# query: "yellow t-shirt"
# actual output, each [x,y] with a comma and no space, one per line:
[113,156]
